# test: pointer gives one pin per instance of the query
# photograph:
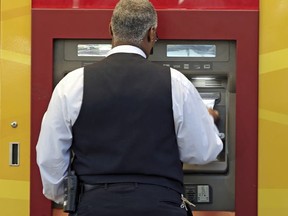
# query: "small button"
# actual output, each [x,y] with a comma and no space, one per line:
[207,66]
[196,67]
[177,66]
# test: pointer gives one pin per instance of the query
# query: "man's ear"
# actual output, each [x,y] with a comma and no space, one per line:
[110,29]
[150,35]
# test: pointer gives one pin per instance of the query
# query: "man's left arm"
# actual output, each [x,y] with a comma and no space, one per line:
[53,149]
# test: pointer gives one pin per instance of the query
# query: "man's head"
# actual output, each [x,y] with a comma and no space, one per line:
[134,22]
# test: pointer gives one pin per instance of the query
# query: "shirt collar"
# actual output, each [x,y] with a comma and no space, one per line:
[127,49]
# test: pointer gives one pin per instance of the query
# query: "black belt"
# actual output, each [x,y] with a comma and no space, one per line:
[88,187]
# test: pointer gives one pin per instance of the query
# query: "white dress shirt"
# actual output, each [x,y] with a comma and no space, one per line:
[197,136]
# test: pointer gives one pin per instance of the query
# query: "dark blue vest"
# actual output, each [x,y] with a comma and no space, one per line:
[125,130]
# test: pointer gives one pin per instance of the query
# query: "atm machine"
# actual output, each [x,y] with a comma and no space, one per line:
[210,66]
[217,50]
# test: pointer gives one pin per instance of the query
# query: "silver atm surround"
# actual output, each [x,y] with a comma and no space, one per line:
[217,76]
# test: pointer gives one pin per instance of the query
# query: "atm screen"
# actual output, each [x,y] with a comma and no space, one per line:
[188,50]
[96,50]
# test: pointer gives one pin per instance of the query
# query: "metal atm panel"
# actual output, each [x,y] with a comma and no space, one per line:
[210,66]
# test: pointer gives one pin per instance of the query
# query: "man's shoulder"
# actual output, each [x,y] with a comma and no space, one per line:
[180,80]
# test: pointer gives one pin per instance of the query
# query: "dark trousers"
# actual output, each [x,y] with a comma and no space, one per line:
[130,199]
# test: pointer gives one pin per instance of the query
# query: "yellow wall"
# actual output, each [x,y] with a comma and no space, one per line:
[273,109]
[15,43]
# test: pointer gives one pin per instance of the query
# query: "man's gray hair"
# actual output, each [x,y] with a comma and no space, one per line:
[131,20]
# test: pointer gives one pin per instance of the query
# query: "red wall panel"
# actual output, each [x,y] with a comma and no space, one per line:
[239,25]
[219,24]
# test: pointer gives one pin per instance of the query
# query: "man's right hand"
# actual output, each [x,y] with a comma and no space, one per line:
[214,114]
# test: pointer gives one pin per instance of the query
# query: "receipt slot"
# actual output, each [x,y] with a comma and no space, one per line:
[210,66]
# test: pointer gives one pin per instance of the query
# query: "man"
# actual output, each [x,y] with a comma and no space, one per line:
[130,124]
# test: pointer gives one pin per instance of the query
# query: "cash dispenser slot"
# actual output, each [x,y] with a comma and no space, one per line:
[210,98]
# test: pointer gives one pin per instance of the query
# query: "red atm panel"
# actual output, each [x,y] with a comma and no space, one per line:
[237,25]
